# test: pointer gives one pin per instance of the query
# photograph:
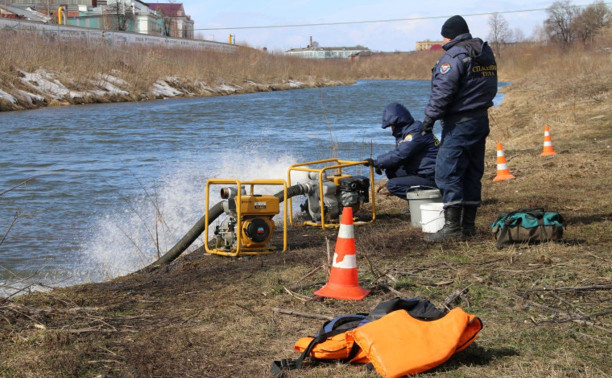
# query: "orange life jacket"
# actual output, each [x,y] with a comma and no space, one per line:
[337,347]
[398,344]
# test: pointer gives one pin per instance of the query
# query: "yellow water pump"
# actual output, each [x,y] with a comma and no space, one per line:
[248,225]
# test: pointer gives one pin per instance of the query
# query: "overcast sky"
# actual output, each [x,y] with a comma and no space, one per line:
[388,36]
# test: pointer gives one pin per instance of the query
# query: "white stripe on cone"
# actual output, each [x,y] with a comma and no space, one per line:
[346,231]
[348,262]
[547,144]
[500,153]
[546,133]
[501,167]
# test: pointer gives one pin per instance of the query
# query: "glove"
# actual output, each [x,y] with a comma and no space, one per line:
[370,162]
[378,170]
[428,124]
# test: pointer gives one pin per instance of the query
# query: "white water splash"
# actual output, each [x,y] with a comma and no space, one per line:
[126,240]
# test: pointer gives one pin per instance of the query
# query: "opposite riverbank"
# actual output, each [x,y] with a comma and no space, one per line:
[36,73]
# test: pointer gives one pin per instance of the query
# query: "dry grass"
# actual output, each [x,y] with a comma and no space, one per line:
[210,316]
[77,65]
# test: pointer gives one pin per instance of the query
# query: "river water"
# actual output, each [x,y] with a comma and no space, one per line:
[99,172]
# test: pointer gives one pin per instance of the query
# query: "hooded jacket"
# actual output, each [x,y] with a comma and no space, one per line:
[415,153]
[464,81]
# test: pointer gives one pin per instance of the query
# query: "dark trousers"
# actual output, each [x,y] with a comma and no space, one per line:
[400,181]
[460,162]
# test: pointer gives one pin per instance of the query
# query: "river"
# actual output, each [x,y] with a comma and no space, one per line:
[99,172]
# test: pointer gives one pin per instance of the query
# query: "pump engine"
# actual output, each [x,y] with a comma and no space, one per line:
[256,224]
[338,192]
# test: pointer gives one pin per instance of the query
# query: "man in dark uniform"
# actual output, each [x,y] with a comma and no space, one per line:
[413,160]
[463,85]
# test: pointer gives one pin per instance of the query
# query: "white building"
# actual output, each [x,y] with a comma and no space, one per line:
[328,52]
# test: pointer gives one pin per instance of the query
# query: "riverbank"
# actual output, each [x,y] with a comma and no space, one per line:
[36,73]
[43,88]
[545,308]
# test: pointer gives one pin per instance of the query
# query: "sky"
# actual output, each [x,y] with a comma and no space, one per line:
[387,36]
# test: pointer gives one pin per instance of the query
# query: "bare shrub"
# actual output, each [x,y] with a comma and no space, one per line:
[591,21]
[559,25]
[499,32]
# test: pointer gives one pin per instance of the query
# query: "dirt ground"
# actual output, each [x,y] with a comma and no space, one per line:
[546,308]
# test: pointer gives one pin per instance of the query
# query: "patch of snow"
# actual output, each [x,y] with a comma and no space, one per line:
[109,85]
[44,83]
[228,88]
[203,87]
[98,93]
[30,97]
[295,84]
[162,89]
[112,79]
[7,97]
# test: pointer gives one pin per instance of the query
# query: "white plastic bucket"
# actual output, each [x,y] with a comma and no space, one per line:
[432,217]
[417,198]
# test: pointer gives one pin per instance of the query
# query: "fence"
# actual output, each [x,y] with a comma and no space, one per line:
[76,33]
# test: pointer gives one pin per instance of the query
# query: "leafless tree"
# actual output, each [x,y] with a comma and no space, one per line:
[591,20]
[518,35]
[118,15]
[559,25]
[499,32]
[538,34]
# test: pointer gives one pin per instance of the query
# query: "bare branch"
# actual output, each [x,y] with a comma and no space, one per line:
[10,227]
[16,186]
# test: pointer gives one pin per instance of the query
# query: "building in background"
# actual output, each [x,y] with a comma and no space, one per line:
[329,52]
[51,3]
[50,6]
[177,23]
[136,16]
[130,15]
[429,45]
[314,51]
[23,13]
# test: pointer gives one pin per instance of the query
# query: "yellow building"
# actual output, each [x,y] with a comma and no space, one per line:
[427,45]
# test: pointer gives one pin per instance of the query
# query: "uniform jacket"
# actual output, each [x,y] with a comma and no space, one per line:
[414,152]
[464,80]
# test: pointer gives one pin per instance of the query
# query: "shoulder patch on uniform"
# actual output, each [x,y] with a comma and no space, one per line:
[408,138]
[444,68]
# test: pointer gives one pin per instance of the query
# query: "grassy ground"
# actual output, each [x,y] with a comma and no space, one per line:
[211,316]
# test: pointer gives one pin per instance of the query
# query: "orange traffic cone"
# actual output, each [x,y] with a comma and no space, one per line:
[343,282]
[503,173]
[548,148]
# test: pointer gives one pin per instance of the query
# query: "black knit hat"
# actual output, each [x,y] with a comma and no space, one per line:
[454,26]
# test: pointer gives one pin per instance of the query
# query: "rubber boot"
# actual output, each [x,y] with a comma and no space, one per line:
[468,226]
[451,229]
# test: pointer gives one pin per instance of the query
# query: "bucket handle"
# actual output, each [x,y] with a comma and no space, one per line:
[433,220]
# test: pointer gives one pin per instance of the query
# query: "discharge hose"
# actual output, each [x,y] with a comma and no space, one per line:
[213,214]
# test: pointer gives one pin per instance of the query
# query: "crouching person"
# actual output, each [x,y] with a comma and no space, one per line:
[413,161]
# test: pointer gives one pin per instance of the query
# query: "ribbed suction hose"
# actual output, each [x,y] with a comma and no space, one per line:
[213,214]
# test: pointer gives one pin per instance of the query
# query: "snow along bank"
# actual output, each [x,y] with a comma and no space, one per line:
[30,90]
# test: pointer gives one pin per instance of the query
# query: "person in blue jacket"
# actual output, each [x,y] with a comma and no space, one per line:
[463,85]
[413,160]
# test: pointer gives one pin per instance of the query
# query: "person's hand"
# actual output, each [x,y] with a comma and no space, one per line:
[428,124]
[370,162]
[378,170]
